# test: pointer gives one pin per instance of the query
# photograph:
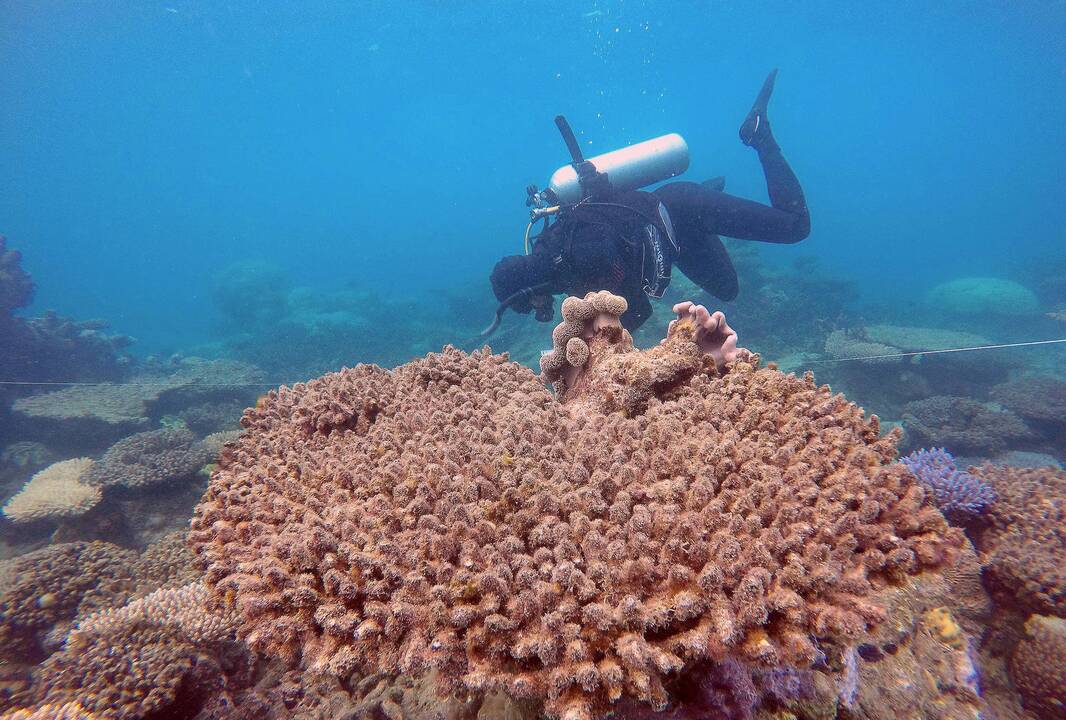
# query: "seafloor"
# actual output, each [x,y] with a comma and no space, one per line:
[657,535]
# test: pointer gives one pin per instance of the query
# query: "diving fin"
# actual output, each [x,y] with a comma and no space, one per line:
[756,126]
[715,183]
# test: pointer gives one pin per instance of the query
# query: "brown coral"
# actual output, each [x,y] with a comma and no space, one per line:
[452,515]
[1024,546]
[54,493]
[66,711]
[149,458]
[963,425]
[140,659]
[49,587]
[1039,666]
[583,319]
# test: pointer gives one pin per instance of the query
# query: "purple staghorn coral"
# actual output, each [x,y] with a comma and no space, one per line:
[958,494]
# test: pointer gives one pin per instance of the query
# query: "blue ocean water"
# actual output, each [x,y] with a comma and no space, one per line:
[386,145]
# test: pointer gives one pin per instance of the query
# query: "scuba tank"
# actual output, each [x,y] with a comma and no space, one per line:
[628,168]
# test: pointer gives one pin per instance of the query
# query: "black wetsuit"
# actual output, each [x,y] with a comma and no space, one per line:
[600,247]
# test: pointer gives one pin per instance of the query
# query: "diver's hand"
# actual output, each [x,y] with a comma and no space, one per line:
[713,334]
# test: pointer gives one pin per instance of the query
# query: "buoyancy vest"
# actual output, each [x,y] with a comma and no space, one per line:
[630,230]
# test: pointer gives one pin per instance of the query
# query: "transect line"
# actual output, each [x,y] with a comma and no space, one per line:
[290,383]
[937,352]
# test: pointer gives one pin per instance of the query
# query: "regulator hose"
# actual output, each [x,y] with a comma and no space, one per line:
[526,292]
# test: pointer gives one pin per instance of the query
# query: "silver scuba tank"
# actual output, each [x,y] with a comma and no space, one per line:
[628,168]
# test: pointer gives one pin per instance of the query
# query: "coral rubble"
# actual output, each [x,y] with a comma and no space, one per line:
[452,515]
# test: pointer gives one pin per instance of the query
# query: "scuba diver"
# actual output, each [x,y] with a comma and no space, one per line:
[608,235]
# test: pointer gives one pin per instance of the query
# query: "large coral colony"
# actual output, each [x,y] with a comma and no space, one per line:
[676,532]
[452,515]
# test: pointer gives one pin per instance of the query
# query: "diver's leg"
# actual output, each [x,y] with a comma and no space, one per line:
[704,261]
[695,209]
[782,185]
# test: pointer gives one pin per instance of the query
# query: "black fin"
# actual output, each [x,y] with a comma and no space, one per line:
[756,117]
[715,183]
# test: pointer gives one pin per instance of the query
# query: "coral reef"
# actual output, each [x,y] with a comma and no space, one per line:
[49,587]
[906,338]
[26,455]
[53,493]
[50,348]
[1039,666]
[1041,401]
[983,297]
[452,515]
[16,287]
[311,696]
[301,332]
[957,493]
[963,424]
[213,417]
[1023,548]
[213,443]
[878,372]
[846,345]
[149,458]
[729,690]
[166,563]
[106,410]
[165,649]
[89,418]
[66,711]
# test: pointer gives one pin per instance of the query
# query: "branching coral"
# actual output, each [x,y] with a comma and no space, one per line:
[149,458]
[452,515]
[140,659]
[957,493]
[1024,547]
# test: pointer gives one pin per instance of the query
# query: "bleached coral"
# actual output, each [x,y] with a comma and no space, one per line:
[54,493]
